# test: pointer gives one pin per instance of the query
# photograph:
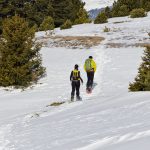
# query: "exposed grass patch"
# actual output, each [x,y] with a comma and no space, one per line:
[119,45]
[120,22]
[35,115]
[55,104]
[71,41]
[148,34]
[106,29]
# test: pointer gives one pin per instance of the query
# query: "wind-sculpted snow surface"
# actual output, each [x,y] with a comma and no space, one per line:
[111,118]
[113,141]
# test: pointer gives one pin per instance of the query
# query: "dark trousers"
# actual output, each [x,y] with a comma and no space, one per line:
[75,87]
[90,78]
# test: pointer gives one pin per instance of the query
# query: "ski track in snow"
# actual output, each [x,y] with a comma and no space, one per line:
[108,119]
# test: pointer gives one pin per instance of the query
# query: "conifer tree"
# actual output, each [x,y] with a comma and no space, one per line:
[62,11]
[36,10]
[20,61]
[128,5]
[47,24]
[66,25]
[101,18]
[77,4]
[5,8]
[82,17]
[123,11]
[142,81]
[107,11]
[136,13]
[147,7]
[66,9]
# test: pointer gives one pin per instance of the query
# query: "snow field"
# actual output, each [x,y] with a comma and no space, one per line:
[111,118]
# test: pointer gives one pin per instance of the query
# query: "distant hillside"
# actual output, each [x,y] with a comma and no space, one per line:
[94,12]
[97,4]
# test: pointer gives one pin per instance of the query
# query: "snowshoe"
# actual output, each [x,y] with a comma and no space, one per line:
[89,90]
[72,98]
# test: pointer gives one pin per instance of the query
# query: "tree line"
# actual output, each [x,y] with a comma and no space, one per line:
[35,11]
[120,8]
[124,7]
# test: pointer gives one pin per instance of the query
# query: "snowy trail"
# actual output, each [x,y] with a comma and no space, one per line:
[61,125]
[22,117]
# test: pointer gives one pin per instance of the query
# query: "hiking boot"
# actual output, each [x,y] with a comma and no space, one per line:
[78,98]
[72,98]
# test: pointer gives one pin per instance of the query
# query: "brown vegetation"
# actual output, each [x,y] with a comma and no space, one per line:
[55,104]
[118,45]
[71,41]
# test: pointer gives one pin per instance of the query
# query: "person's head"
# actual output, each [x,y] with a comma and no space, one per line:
[76,67]
[90,57]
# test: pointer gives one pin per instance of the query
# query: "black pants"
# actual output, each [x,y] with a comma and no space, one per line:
[75,87]
[90,78]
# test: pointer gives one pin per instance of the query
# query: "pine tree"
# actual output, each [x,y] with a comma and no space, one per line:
[66,25]
[20,61]
[123,11]
[82,17]
[62,11]
[77,4]
[142,81]
[5,8]
[66,9]
[101,18]
[130,5]
[36,10]
[147,7]
[33,10]
[47,24]
[107,11]
[139,12]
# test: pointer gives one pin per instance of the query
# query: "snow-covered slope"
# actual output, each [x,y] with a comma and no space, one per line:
[111,118]
[92,4]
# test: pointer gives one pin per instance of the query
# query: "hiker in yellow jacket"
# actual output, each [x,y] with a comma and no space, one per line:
[90,68]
